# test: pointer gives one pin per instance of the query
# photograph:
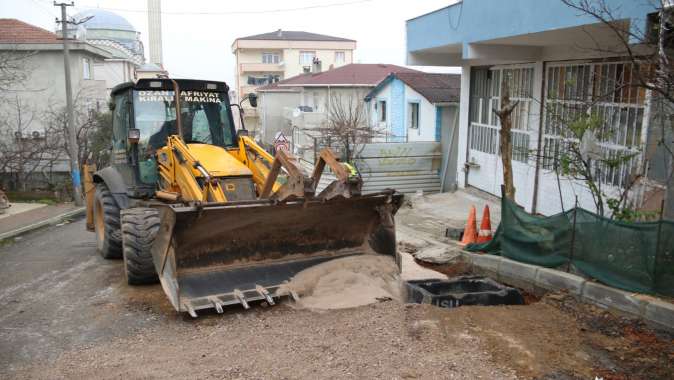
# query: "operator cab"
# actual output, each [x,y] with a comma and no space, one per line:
[205,116]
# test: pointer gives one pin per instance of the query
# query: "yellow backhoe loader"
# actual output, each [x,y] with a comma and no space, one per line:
[214,217]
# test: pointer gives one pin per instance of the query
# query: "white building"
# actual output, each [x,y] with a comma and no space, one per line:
[311,93]
[409,106]
[28,107]
[266,58]
[550,53]
[114,34]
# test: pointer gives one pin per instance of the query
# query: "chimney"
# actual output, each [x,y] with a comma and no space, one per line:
[279,33]
[316,67]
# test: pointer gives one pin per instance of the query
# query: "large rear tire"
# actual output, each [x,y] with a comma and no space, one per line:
[139,229]
[106,223]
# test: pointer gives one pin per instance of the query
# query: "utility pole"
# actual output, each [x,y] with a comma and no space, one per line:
[72,128]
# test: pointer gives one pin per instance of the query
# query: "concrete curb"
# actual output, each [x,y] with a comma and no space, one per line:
[538,279]
[47,222]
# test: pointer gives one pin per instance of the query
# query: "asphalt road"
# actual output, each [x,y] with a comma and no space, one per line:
[58,293]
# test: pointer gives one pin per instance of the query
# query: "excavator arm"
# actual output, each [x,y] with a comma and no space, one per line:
[179,169]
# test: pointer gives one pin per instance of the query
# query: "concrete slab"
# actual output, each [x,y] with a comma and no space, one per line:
[413,271]
[440,254]
[517,274]
[18,208]
[613,298]
[554,280]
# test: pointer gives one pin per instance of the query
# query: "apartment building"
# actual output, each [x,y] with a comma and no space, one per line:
[267,58]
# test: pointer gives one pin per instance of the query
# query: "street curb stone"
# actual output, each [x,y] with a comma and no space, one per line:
[487,265]
[660,313]
[613,298]
[518,274]
[47,222]
[550,279]
[652,310]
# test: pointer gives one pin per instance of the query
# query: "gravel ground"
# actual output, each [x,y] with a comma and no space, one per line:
[69,315]
[385,340]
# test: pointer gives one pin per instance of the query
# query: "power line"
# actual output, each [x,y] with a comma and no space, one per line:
[44,8]
[267,11]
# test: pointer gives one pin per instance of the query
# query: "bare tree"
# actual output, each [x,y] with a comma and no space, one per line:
[506,146]
[347,124]
[14,69]
[94,128]
[24,150]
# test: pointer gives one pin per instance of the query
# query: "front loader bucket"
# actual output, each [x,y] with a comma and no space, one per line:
[238,252]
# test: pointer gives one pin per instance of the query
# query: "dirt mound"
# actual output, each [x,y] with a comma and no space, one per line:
[347,282]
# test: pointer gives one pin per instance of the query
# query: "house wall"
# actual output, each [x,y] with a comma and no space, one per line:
[276,103]
[44,91]
[250,52]
[449,142]
[521,32]
[248,56]
[271,109]
[398,95]
[113,72]
[427,117]
[45,86]
[485,170]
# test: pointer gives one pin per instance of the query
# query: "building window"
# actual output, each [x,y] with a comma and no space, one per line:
[86,68]
[340,57]
[413,112]
[261,80]
[273,58]
[610,92]
[307,57]
[485,96]
[381,110]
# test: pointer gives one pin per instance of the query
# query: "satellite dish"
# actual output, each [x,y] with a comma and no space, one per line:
[589,147]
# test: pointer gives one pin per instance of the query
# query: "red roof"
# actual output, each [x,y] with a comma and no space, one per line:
[437,88]
[13,31]
[355,74]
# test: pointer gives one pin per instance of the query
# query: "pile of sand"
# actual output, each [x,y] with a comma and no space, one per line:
[348,282]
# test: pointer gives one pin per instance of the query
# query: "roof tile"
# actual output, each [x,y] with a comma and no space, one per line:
[437,88]
[13,31]
[355,74]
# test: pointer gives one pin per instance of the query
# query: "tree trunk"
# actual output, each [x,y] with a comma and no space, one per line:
[506,147]
[506,157]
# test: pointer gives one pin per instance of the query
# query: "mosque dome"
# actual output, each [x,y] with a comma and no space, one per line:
[103,19]
[111,32]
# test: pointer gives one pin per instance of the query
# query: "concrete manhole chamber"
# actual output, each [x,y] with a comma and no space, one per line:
[462,291]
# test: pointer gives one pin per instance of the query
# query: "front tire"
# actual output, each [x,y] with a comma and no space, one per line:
[139,229]
[106,223]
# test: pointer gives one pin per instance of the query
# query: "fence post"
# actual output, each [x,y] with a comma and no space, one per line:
[315,149]
[657,246]
[573,237]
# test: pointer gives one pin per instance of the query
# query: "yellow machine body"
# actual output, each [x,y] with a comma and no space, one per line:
[235,222]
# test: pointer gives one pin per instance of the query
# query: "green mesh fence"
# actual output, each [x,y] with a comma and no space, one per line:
[637,257]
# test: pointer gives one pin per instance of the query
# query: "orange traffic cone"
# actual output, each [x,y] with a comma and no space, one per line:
[470,232]
[484,234]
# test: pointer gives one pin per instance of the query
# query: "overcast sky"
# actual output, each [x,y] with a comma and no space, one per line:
[198,34]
